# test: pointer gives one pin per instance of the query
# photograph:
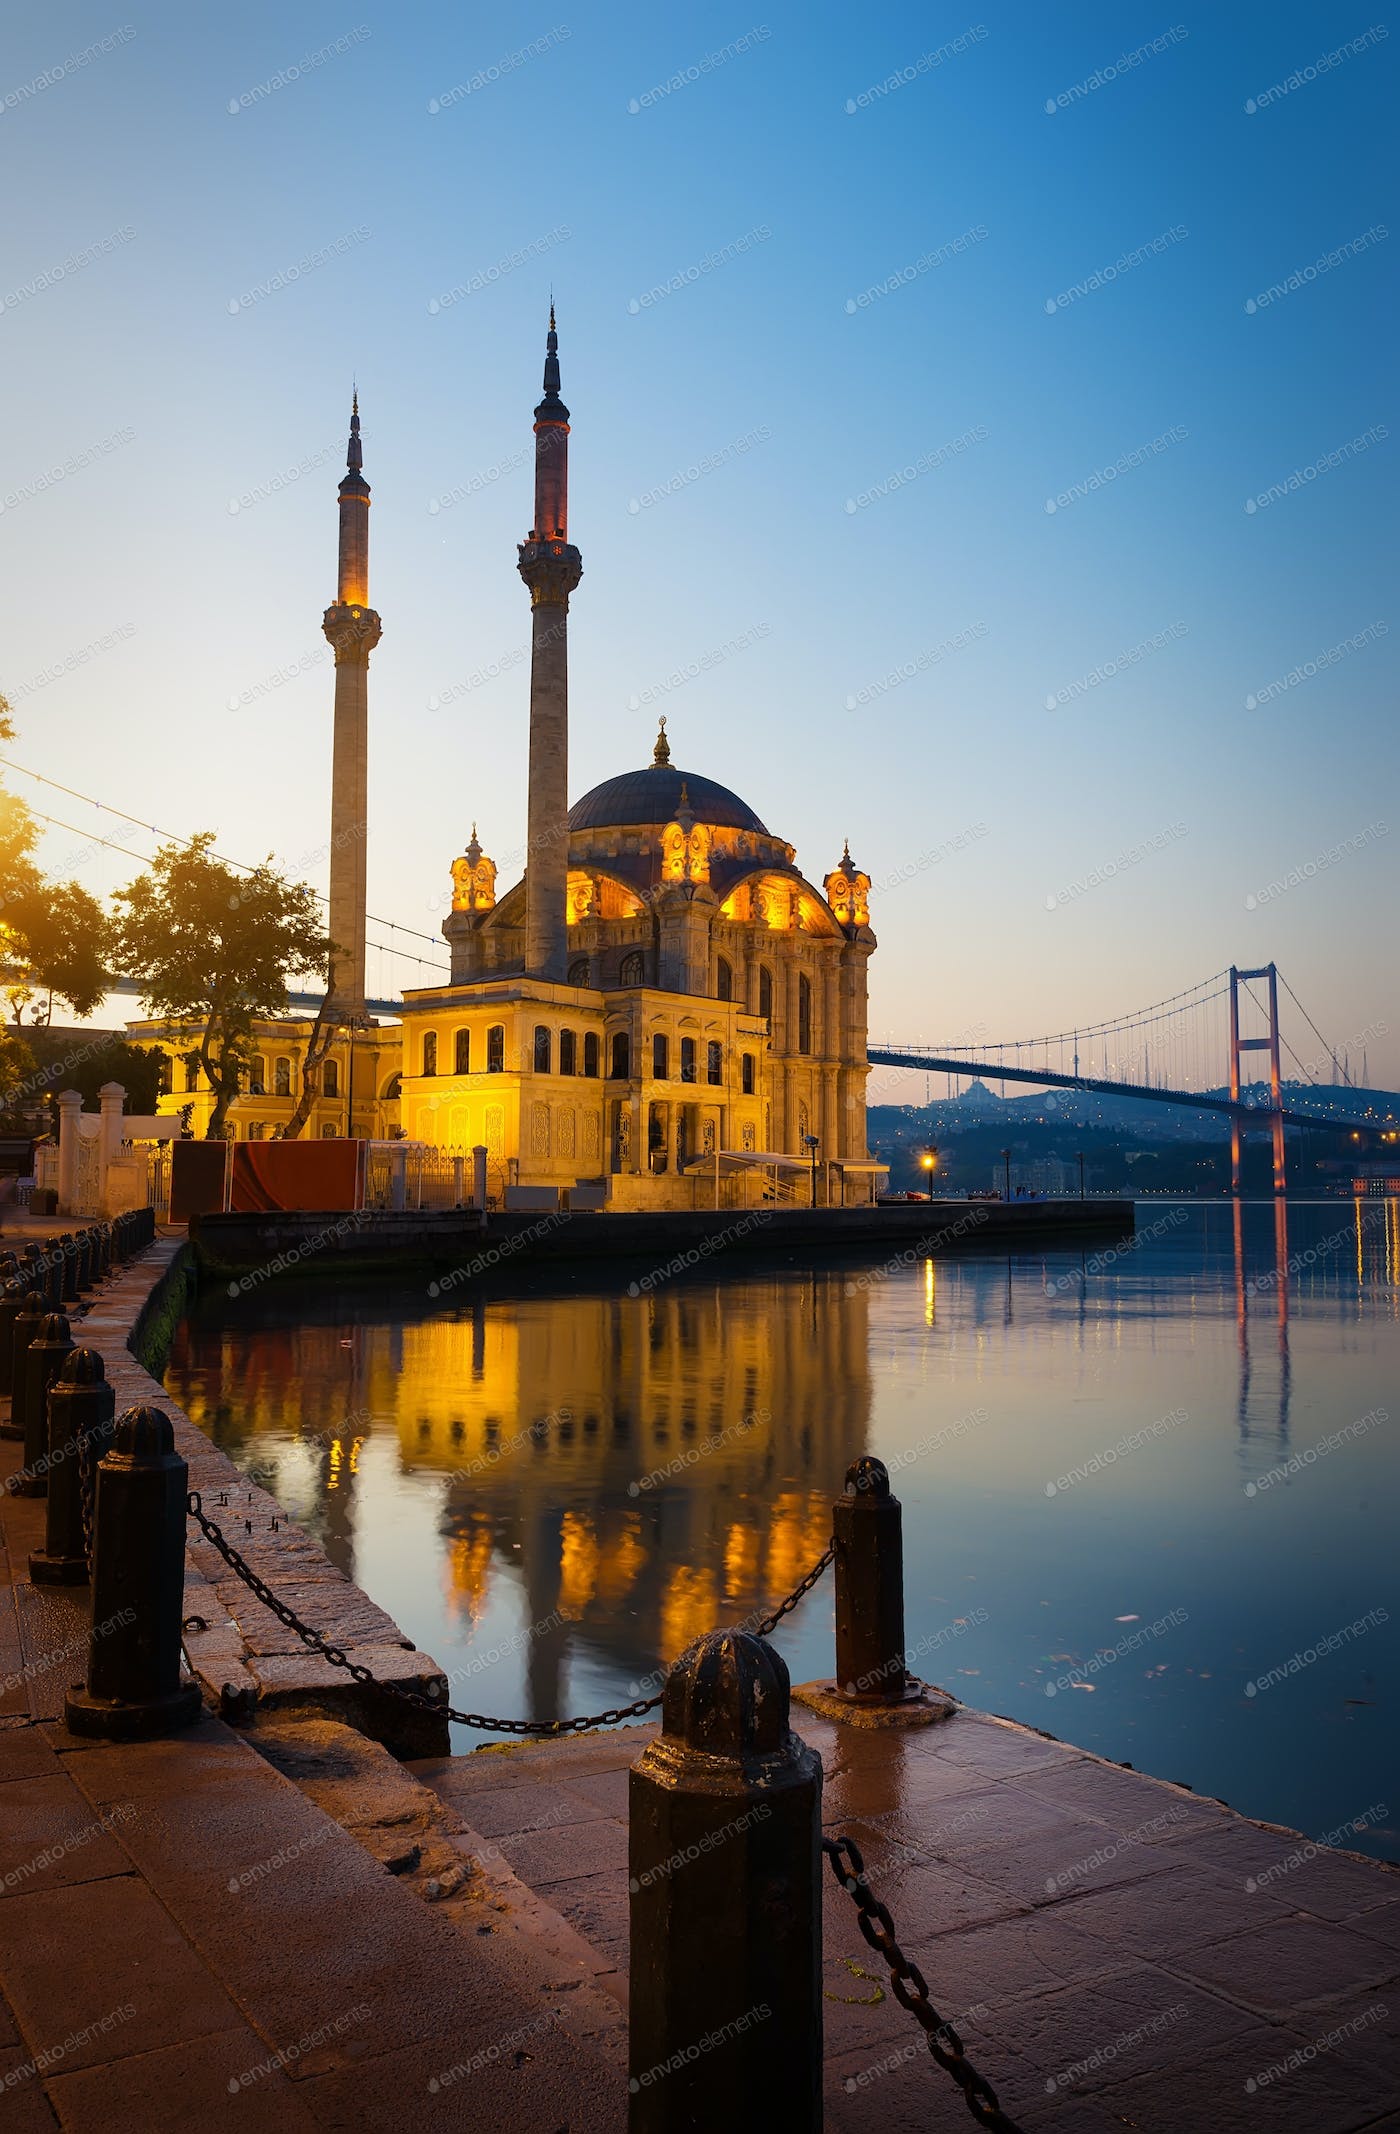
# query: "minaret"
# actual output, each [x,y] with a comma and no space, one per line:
[353,629]
[552,569]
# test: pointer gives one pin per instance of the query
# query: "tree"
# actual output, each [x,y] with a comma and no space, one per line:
[209,945]
[324,1032]
[54,936]
[84,1061]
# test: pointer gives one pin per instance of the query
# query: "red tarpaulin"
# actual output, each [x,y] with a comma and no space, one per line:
[301,1176]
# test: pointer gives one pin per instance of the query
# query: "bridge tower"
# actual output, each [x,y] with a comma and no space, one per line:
[1269,1044]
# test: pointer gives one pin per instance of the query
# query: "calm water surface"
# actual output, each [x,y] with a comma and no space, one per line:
[1150,1493]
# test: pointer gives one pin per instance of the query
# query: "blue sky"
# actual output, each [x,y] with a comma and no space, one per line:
[945,307]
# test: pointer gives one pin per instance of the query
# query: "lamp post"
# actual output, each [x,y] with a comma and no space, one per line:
[355,1024]
[929,1161]
[1006,1159]
[1079,1159]
[812,1142]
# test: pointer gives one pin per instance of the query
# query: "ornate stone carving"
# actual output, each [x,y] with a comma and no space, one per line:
[750,1141]
[473,879]
[552,570]
[848,892]
[568,1129]
[592,1136]
[495,1130]
[539,1129]
[353,633]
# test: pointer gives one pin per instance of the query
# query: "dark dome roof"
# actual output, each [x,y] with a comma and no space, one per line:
[654,795]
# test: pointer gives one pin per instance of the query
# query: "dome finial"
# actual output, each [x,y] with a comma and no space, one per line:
[661,754]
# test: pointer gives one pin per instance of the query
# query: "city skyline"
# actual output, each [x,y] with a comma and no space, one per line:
[1087,754]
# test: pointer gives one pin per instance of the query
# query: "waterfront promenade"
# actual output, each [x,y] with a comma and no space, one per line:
[286,1924]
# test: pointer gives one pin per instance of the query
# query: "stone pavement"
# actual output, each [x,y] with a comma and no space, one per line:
[1116,1952]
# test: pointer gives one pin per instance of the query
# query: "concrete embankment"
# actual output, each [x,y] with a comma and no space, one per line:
[253,1250]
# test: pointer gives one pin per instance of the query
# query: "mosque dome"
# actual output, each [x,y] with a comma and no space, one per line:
[656,794]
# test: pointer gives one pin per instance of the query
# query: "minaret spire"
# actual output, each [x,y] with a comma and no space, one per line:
[551,568]
[353,630]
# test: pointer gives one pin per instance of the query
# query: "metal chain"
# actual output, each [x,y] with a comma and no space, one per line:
[337,1658]
[907,1982]
[87,1491]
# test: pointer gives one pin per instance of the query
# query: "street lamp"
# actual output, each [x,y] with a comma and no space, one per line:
[929,1160]
[1079,1159]
[1006,1159]
[812,1142]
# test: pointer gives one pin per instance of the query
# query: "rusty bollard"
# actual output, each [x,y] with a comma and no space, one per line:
[725,1881]
[134,1690]
[873,1685]
[81,1407]
[27,1322]
[45,1357]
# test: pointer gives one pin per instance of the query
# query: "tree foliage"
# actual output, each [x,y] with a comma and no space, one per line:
[54,936]
[210,945]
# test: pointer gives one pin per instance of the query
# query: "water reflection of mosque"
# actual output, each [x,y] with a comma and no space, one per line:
[646,1467]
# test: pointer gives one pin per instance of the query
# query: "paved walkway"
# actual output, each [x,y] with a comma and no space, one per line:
[1116,1952]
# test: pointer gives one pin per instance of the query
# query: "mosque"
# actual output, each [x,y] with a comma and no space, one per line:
[661,1011]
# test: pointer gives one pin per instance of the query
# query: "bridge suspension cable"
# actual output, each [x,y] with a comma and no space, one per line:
[1157,1011]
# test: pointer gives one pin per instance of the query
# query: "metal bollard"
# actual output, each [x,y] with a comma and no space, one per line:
[46,1272]
[81,1408]
[83,1243]
[68,1266]
[11,1298]
[725,1867]
[44,1359]
[134,1690]
[28,1320]
[104,1251]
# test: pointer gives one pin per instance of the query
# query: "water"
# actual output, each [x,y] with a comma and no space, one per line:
[1149,1492]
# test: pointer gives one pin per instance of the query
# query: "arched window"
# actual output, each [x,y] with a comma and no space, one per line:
[687,1059]
[804,1013]
[660,1057]
[621,1057]
[462,1052]
[328,1131]
[578,971]
[746,1070]
[430,1053]
[257,1076]
[282,1077]
[568,1052]
[714,1061]
[765,990]
[191,1072]
[724,978]
[392,1090]
[633,970]
[543,1048]
[590,1052]
[330,1079]
[496,1049]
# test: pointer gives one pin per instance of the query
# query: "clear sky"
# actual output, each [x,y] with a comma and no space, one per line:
[844,306]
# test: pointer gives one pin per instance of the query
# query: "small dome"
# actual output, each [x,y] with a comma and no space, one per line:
[654,795]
